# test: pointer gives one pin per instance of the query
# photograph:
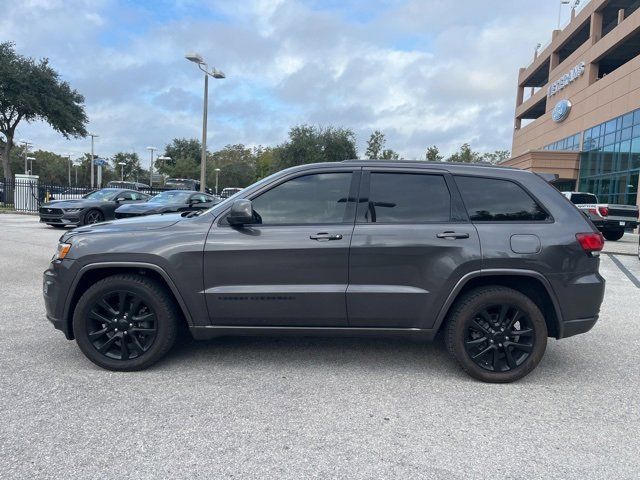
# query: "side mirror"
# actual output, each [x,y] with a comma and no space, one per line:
[241,213]
[120,199]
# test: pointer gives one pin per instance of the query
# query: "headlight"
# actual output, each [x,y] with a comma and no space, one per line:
[72,210]
[63,249]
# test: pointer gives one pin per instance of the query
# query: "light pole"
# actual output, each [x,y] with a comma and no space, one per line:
[151,149]
[75,167]
[31,159]
[26,152]
[217,170]
[164,158]
[70,162]
[92,135]
[122,164]
[217,74]
[562,2]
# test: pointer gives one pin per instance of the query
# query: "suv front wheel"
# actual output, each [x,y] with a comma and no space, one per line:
[125,322]
[496,334]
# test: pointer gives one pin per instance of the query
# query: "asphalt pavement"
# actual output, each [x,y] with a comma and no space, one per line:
[310,407]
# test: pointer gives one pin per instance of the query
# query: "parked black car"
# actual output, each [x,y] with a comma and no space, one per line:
[94,207]
[495,258]
[168,202]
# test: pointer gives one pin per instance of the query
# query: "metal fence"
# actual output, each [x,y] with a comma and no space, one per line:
[27,194]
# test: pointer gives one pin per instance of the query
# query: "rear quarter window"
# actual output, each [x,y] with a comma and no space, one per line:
[495,200]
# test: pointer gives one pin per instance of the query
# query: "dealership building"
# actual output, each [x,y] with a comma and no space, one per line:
[578,104]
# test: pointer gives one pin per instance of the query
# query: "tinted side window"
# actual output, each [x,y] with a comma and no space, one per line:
[492,200]
[406,198]
[317,198]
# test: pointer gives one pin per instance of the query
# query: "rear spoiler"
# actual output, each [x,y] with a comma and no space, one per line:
[549,177]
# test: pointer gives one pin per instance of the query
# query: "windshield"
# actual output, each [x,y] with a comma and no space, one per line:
[170,197]
[583,198]
[104,194]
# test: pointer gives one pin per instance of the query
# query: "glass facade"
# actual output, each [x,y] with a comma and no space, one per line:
[571,143]
[610,160]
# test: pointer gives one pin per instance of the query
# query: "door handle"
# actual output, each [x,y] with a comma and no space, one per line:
[325,237]
[452,235]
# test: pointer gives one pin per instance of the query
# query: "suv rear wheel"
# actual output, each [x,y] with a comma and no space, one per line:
[125,322]
[496,334]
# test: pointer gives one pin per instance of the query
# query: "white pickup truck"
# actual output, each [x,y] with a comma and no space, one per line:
[612,220]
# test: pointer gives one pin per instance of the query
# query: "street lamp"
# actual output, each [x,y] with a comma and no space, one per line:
[151,149]
[562,2]
[92,135]
[217,74]
[70,162]
[26,152]
[122,164]
[217,170]
[31,159]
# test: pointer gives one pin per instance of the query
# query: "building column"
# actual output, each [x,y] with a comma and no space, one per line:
[595,29]
[620,16]
[592,72]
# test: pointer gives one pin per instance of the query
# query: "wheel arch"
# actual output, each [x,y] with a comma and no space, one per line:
[92,273]
[529,282]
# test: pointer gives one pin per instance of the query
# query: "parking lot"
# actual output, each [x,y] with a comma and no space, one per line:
[310,407]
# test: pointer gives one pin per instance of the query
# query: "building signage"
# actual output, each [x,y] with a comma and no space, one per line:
[561,111]
[568,78]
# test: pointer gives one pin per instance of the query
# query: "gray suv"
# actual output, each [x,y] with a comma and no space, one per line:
[494,258]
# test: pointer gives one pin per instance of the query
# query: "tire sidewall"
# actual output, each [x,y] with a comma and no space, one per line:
[489,298]
[164,323]
[100,218]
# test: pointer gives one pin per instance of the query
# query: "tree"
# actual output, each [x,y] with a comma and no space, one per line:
[433,154]
[309,144]
[465,155]
[497,156]
[30,91]
[185,155]
[132,169]
[375,145]
[237,165]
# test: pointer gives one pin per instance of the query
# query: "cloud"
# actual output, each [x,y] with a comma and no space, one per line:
[424,72]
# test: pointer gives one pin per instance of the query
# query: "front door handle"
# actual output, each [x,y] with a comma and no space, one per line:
[325,237]
[452,235]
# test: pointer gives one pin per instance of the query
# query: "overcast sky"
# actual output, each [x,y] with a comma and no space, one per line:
[423,71]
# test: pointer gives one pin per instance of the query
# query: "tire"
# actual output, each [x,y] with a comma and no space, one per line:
[501,363]
[93,216]
[150,335]
[613,235]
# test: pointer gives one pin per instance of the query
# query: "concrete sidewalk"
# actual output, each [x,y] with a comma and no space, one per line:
[627,245]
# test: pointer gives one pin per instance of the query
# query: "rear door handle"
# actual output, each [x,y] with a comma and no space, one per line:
[325,237]
[452,235]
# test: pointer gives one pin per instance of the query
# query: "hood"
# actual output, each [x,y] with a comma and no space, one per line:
[153,222]
[141,207]
[76,203]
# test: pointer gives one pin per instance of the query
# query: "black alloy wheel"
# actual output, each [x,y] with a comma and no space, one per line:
[499,338]
[93,216]
[496,334]
[126,322]
[121,326]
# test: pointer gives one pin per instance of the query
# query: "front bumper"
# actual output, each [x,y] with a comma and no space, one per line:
[61,219]
[55,286]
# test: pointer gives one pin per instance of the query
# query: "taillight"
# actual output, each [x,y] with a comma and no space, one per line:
[590,242]
[604,211]
[593,211]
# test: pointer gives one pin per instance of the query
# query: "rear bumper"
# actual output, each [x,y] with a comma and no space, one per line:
[576,327]
[615,224]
